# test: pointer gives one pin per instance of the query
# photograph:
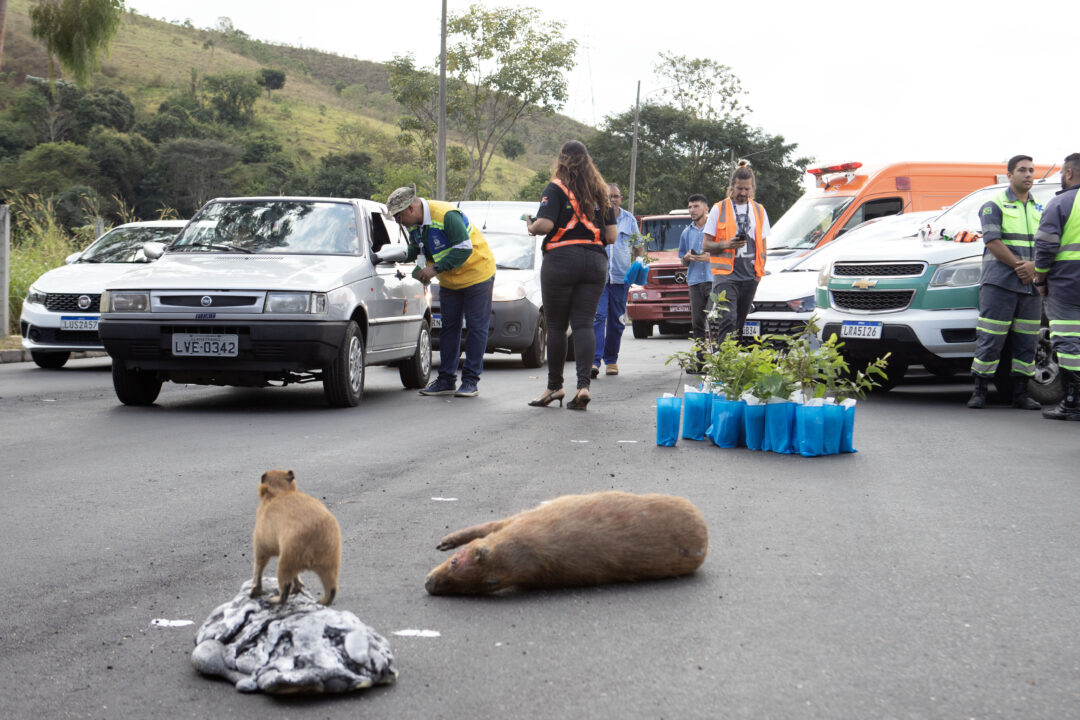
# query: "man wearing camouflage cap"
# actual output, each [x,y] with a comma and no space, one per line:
[457,254]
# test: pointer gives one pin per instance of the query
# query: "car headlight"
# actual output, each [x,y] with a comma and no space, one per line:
[295,303]
[958,273]
[639,295]
[507,292]
[35,296]
[803,304]
[125,301]
[823,276]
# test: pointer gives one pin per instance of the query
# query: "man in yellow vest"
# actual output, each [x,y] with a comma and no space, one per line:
[1057,278]
[735,235]
[457,253]
[1008,303]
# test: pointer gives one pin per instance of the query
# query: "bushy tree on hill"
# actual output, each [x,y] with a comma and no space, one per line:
[76,32]
[270,79]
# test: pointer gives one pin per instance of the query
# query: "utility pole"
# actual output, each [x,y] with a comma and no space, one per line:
[633,148]
[440,158]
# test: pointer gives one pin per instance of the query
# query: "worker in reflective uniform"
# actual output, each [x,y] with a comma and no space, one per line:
[1007,299]
[1057,277]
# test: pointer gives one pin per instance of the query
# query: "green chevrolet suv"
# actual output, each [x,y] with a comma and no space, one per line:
[917,297]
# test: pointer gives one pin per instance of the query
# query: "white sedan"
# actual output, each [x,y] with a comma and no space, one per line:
[61,310]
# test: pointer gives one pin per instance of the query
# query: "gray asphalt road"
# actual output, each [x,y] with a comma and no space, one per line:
[934,574]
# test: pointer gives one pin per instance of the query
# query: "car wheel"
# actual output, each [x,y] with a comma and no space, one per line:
[536,354]
[343,382]
[134,386]
[416,370]
[1046,386]
[642,329]
[50,360]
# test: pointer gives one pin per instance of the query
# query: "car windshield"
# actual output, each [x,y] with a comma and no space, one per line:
[880,229]
[125,245]
[302,227]
[807,221]
[513,251]
[964,215]
[665,232]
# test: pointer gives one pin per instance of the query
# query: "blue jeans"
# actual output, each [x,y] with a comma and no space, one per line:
[608,325]
[474,305]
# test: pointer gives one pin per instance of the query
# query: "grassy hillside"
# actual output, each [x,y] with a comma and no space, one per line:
[151,60]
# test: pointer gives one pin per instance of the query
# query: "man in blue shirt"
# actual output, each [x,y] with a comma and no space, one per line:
[698,273]
[608,324]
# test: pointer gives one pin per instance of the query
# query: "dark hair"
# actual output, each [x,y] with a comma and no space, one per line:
[697,197]
[742,172]
[1015,160]
[576,169]
[1071,161]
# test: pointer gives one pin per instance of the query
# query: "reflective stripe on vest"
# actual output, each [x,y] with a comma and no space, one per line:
[1019,221]
[1070,234]
[555,241]
[726,229]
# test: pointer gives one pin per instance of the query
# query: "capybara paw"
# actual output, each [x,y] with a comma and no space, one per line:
[256,591]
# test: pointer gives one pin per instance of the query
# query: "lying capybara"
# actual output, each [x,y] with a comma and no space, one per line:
[300,531]
[575,540]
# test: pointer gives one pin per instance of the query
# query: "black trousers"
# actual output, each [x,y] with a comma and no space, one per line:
[739,295]
[571,281]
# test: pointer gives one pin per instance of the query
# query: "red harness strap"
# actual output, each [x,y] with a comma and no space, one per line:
[556,241]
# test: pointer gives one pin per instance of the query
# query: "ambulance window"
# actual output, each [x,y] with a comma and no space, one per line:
[872,210]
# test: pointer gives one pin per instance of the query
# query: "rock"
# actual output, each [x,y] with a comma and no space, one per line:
[302,647]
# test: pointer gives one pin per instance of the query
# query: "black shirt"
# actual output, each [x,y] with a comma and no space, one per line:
[556,207]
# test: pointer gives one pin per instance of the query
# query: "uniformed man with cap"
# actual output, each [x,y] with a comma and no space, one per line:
[456,253]
[1057,278]
[1008,302]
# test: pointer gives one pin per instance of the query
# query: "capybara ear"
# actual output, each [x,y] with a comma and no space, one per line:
[480,554]
[290,475]
[264,476]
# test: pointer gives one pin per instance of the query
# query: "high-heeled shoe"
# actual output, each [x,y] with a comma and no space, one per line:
[549,397]
[579,401]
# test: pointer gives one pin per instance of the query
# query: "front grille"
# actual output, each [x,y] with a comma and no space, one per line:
[666,276]
[912,269]
[217,301]
[782,327]
[69,302]
[770,307]
[872,300]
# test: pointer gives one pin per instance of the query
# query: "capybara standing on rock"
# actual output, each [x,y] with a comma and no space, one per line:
[576,540]
[300,531]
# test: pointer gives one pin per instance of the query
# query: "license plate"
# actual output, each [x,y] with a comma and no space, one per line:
[436,321]
[862,329]
[751,328]
[679,308]
[78,323]
[204,345]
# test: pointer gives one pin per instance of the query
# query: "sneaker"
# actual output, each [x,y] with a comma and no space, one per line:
[439,387]
[595,373]
[468,389]
[612,369]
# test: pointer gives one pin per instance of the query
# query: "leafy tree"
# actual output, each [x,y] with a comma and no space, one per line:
[270,79]
[506,63]
[49,110]
[260,148]
[512,148]
[122,160]
[106,107]
[680,154]
[702,87]
[76,32]
[233,97]
[192,171]
[15,138]
[350,175]
[535,187]
[51,168]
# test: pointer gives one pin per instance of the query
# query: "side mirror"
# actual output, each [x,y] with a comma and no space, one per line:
[393,253]
[72,257]
[153,249]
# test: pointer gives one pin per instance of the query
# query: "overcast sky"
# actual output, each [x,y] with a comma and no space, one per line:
[846,80]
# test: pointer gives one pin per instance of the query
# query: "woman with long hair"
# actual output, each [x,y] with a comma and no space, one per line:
[577,220]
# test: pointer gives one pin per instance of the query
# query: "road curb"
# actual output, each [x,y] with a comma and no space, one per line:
[14,356]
